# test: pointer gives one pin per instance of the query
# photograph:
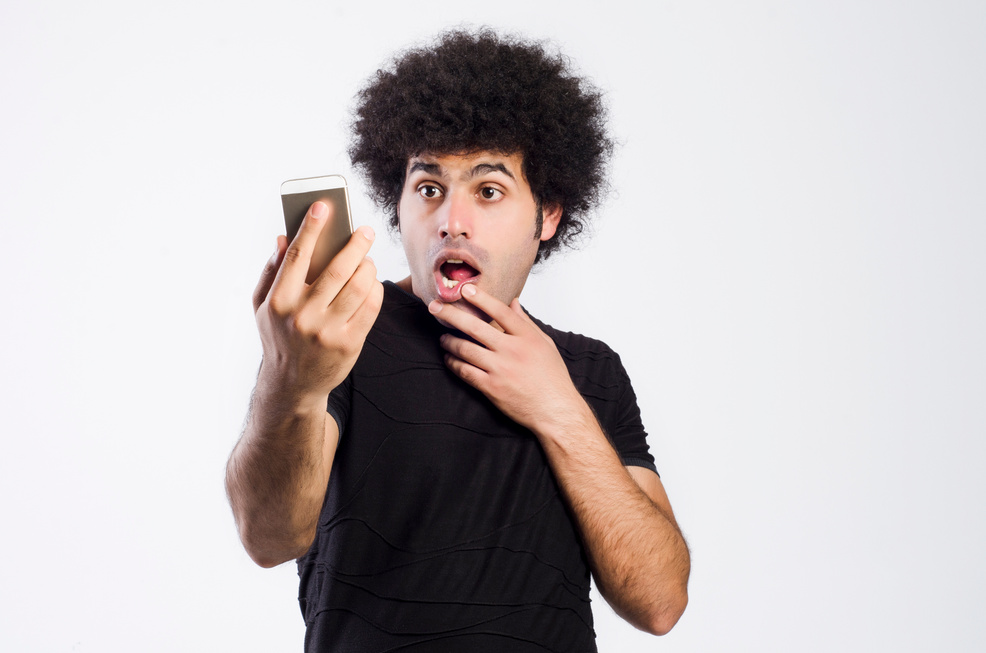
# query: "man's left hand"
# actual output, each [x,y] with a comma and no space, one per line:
[517,366]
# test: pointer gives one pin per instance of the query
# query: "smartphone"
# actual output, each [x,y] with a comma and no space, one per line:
[297,196]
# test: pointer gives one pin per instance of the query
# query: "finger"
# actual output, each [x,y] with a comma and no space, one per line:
[342,266]
[364,316]
[353,310]
[526,319]
[298,256]
[500,312]
[349,299]
[469,373]
[467,351]
[466,322]
[270,271]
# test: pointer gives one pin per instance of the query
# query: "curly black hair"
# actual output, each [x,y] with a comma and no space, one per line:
[475,91]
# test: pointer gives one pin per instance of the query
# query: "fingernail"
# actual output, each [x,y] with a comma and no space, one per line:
[468,290]
[367,233]
[277,250]
[435,307]
[319,210]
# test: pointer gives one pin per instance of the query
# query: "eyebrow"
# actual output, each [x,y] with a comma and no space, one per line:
[477,170]
[430,168]
[486,168]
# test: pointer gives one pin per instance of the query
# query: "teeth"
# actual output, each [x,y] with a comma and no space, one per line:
[451,283]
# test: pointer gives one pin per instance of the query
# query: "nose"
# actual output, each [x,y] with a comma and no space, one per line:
[458,219]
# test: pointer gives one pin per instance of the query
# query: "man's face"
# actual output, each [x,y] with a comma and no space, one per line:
[470,218]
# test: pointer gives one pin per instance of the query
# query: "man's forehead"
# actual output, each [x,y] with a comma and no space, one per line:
[469,163]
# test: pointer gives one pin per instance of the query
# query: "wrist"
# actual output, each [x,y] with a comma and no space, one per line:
[562,426]
[279,394]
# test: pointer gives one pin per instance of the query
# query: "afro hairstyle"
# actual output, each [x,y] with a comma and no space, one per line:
[475,91]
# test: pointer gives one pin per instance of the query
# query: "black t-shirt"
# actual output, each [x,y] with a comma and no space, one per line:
[443,528]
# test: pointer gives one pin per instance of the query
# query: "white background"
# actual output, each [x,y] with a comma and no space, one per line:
[792,266]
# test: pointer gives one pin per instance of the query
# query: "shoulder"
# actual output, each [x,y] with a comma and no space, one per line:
[575,347]
[600,377]
[593,365]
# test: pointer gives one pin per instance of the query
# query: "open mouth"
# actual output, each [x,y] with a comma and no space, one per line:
[456,271]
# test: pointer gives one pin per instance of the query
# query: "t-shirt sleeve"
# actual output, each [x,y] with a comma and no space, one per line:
[599,375]
[338,405]
[629,437]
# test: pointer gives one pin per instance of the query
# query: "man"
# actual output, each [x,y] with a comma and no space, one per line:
[474,465]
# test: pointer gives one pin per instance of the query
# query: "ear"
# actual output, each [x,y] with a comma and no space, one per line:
[551,214]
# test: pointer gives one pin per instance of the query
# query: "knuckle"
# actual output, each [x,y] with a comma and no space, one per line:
[275,306]
[335,273]
[278,306]
[338,345]
[293,254]
[298,325]
[309,330]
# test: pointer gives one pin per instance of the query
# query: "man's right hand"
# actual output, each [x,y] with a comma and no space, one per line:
[312,334]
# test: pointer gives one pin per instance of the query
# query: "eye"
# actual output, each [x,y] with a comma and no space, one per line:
[490,193]
[429,191]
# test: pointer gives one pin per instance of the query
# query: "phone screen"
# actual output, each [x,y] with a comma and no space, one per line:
[297,196]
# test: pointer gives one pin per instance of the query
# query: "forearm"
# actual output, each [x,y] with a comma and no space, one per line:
[637,554]
[277,475]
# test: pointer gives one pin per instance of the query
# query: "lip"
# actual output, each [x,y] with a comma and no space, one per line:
[449,295]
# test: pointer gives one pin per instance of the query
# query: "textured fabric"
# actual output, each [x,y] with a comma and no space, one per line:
[443,528]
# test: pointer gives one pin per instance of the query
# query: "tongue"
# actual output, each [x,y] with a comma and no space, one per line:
[458,271]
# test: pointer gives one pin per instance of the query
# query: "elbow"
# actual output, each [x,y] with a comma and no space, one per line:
[268,556]
[256,547]
[663,622]
[268,551]
[263,556]
[656,614]
[268,542]
[266,561]
[270,545]
[661,619]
